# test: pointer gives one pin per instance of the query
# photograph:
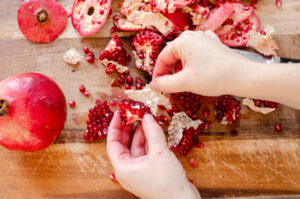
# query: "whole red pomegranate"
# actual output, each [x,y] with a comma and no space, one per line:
[33,112]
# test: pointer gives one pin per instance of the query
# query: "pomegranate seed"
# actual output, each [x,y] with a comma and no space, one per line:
[227,109]
[205,112]
[86,136]
[72,103]
[86,50]
[138,80]
[278,128]
[113,30]
[113,102]
[121,80]
[193,163]
[90,57]
[138,86]
[163,119]
[87,93]
[82,88]
[191,181]
[127,87]
[112,177]
[207,125]
[129,80]
[233,132]
[200,145]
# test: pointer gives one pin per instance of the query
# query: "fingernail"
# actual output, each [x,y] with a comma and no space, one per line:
[148,118]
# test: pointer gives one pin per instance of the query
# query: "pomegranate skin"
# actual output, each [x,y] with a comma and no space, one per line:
[36,115]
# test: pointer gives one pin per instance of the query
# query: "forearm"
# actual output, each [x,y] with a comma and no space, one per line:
[274,82]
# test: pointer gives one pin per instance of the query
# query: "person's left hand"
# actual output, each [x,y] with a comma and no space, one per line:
[148,169]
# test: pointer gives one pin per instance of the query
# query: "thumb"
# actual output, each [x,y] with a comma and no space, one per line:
[154,134]
[170,83]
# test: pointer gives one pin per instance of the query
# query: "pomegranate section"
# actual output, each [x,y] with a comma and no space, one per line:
[227,109]
[42,21]
[132,111]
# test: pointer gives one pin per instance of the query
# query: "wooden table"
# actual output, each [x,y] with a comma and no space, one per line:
[259,162]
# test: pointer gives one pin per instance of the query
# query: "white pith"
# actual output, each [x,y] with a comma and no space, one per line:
[250,103]
[179,122]
[150,98]
[72,57]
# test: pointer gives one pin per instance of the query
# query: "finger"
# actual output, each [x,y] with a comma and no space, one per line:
[154,135]
[138,143]
[125,135]
[171,83]
[115,148]
[212,34]
[166,60]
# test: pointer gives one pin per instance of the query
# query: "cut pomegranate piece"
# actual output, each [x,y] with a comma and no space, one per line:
[199,14]
[131,5]
[183,133]
[239,36]
[241,13]
[132,111]
[181,20]
[190,101]
[227,109]
[99,118]
[262,41]
[42,21]
[260,106]
[147,45]
[217,17]
[114,57]
[88,16]
[151,98]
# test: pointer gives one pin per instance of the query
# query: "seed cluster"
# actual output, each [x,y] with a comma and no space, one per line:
[227,108]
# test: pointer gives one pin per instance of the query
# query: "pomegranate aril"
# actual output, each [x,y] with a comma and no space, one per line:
[227,109]
[138,86]
[139,80]
[112,177]
[82,88]
[193,163]
[87,93]
[127,87]
[72,103]
[163,119]
[86,50]
[205,112]
[90,57]
[129,80]
[278,127]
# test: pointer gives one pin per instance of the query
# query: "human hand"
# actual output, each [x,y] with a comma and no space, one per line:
[209,67]
[148,169]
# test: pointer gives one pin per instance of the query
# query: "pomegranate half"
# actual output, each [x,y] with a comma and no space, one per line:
[33,112]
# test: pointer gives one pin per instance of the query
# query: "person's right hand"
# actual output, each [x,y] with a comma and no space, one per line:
[209,67]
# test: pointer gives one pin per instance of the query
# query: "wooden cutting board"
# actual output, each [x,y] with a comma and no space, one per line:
[259,162]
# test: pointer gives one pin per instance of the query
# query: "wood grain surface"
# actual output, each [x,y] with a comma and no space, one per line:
[258,163]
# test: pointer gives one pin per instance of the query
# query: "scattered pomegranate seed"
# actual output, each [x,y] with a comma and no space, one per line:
[193,163]
[200,145]
[87,93]
[233,132]
[206,125]
[86,50]
[191,181]
[113,30]
[139,80]
[72,103]
[121,80]
[82,88]
[205,112]
[138,86]
[97,101]
[98,121]
[90,57]
[265,103]
[278,128]
[112,177]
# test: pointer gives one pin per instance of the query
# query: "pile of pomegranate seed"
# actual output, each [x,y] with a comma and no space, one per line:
[99,118]
[227,109]
[147,44]
[189,140]
[278,128]
[266,104]
[190,102]
[132,111]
